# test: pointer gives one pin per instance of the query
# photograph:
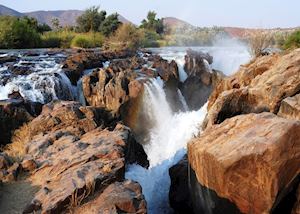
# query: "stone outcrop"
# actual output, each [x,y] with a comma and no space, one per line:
[74,152]
[8,169]
[110,89]
[167,71]
[201,79]
[248,163]
[296,209]
[290,107]
[76,63]
[179,195]
[119,197]
[13,114]
[259,86]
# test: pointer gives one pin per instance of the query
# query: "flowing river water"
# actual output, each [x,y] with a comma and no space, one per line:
[169,131]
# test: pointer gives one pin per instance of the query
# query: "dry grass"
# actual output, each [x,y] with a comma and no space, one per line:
[77,199]
[260,41]
[21,137]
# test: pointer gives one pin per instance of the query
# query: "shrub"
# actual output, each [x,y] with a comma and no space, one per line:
[57,39]
[293,41]
[89,40]
[126,37]
[260,41]
[150,38]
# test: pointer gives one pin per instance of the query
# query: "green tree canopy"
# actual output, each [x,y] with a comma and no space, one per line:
[110,24]
[91,19]
[152,23]
[18,32]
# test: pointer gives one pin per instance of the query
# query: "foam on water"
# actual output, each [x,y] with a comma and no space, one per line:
[169,135]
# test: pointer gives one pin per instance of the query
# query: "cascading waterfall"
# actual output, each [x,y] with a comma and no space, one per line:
[46,82]
[169,133]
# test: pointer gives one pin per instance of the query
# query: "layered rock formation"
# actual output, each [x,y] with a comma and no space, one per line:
[259,86]
[250,160]
[73,151]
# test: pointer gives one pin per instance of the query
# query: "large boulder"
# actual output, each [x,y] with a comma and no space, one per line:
[247,164]
[119,197]
[72,151]
[290,107]
[257,87]
[13,114]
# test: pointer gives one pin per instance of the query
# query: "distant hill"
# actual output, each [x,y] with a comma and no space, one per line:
[8,11]
[65,17]
[173,23]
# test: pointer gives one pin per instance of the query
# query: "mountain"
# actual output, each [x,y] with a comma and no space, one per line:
[8,11]
[65,17]
[173,23]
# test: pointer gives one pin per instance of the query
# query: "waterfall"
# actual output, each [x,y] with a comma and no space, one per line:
[168,133]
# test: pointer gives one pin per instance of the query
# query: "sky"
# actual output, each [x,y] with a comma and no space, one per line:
[235,13]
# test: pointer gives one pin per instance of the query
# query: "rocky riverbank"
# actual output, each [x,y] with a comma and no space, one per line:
[247,159]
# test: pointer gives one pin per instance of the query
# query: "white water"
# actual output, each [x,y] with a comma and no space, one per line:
[226,58]
[169,135]
[47,81]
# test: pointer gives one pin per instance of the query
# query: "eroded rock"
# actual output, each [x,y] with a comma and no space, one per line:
[119,197]
[290,107]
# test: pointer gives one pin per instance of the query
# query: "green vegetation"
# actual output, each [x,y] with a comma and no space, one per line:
[152,23]
[87,40]
[292,41]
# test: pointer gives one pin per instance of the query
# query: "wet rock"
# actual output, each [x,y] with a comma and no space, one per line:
[259,86]
[119,197]
[76,63]
[201,79]
[249,160]
[290,107]
[13,114]
[8,58]
[179,195]
[167,71]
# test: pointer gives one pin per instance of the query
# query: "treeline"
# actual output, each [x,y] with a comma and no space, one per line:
[94,28]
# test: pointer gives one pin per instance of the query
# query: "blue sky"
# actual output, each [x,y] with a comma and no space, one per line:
[240,13]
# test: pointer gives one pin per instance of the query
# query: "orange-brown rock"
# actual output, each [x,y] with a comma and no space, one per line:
[74,151]
[259,86]
[250,160]
[290,108]
[119,197]
[110,89]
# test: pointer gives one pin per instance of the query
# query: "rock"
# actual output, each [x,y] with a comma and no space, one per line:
[74,151]
[201,79]
[111,89]
[167,71]
[259,86]
[76,63]
[8,169]
[247,163]
[119,197]
[179,195]
[13,114]
[8,58]
[296,209]
[290,107]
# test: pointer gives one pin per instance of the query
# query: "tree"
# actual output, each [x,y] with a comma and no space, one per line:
[91,20]
[126,37]
[259,41]
[55,24]
[17,33]
[151,23]
[110,24]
